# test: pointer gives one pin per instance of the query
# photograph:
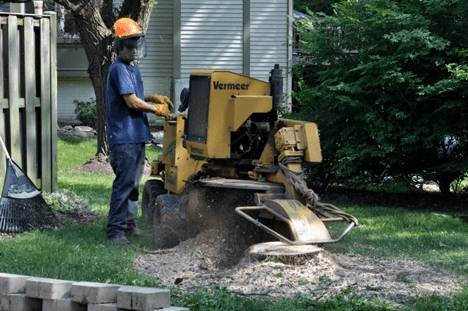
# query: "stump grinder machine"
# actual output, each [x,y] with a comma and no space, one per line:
[231,162]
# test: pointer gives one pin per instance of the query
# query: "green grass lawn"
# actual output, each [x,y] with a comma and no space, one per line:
[395,232]
[82,253]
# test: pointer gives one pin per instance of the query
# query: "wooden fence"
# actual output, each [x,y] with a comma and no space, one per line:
[28,96]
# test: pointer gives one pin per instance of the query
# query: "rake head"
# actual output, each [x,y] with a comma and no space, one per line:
[22,206]
[18,215]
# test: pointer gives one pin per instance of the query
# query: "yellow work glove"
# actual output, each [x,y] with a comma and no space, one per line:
[163,110]
[161,99]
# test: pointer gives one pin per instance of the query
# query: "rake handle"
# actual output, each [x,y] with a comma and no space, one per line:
[4,148]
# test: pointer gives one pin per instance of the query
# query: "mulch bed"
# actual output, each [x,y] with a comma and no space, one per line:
[425,201]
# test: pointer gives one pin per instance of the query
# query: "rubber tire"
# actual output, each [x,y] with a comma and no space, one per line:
[153,188]
[169,222]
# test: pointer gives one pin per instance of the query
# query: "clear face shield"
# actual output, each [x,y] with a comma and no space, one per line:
[133,49]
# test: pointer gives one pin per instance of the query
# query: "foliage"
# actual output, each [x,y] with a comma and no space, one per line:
[222,299]
[460,185]
[86,112]
[66,201]
[460,71]
[376,81]
[452,302]
[324,6]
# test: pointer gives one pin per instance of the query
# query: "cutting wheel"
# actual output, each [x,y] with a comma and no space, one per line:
[279,249]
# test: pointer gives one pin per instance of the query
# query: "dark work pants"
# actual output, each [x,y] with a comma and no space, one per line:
[127,161]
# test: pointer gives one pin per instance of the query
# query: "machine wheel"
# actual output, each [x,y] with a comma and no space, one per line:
[153,188]
[169,222]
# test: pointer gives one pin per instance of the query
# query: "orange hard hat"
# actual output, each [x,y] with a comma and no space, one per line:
[125,28]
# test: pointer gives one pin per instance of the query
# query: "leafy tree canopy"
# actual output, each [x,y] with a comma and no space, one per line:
[386,81]
[324,6]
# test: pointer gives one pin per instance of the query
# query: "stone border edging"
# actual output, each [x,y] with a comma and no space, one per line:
[25,293]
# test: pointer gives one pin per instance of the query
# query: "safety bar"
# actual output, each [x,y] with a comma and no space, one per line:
[240,210]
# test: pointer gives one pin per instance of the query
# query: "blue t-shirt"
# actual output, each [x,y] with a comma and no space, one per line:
[125,125]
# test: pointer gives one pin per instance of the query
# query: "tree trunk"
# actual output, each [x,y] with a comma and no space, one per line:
[445,179]
[99,80]
[100,57]
[97,43]
[444,186]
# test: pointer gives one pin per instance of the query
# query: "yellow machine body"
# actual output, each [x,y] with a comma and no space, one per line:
[177,163]
[232,138]
[231,99]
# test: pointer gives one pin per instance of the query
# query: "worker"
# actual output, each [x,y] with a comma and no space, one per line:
[127,128]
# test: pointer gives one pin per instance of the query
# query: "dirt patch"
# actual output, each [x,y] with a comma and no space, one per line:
[5,236]
[191,265]
[79,217]
[100,165]
[195,263]
[97,165]
[83,216]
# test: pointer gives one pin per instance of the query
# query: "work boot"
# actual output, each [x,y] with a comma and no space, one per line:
[120,239]
[134,231]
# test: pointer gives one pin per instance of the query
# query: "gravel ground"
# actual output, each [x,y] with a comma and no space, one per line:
[191,265]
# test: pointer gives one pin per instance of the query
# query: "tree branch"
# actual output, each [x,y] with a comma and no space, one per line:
[108,13]
[415,113]
[68,5]
[139,11]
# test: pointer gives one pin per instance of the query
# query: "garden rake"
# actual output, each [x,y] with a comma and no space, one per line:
[22,206]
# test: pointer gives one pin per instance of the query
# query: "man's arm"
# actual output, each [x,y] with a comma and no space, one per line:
[136,103]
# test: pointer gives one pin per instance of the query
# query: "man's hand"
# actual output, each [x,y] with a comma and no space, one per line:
[161,99]
[162,110]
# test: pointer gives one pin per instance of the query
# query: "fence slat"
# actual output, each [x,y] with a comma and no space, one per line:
[28,116]
[2,154]
[2,58]
[2,119]
[30,96]
[53,100]
[45,105]
[13,82]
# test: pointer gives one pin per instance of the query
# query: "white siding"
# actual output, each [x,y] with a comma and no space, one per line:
[157,67]
[211,35]
[69,89]
[268,37]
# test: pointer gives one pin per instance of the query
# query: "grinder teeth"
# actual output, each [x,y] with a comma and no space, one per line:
[283,252]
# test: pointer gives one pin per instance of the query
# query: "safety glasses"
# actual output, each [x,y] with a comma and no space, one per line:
[131,46]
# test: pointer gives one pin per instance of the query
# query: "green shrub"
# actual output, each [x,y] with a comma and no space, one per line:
[86,112]
[65,201]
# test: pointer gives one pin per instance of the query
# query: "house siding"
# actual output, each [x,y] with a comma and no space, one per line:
[211,35]
[69,89]
[268,37]
[158,66]
[159,60]
[243,36]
